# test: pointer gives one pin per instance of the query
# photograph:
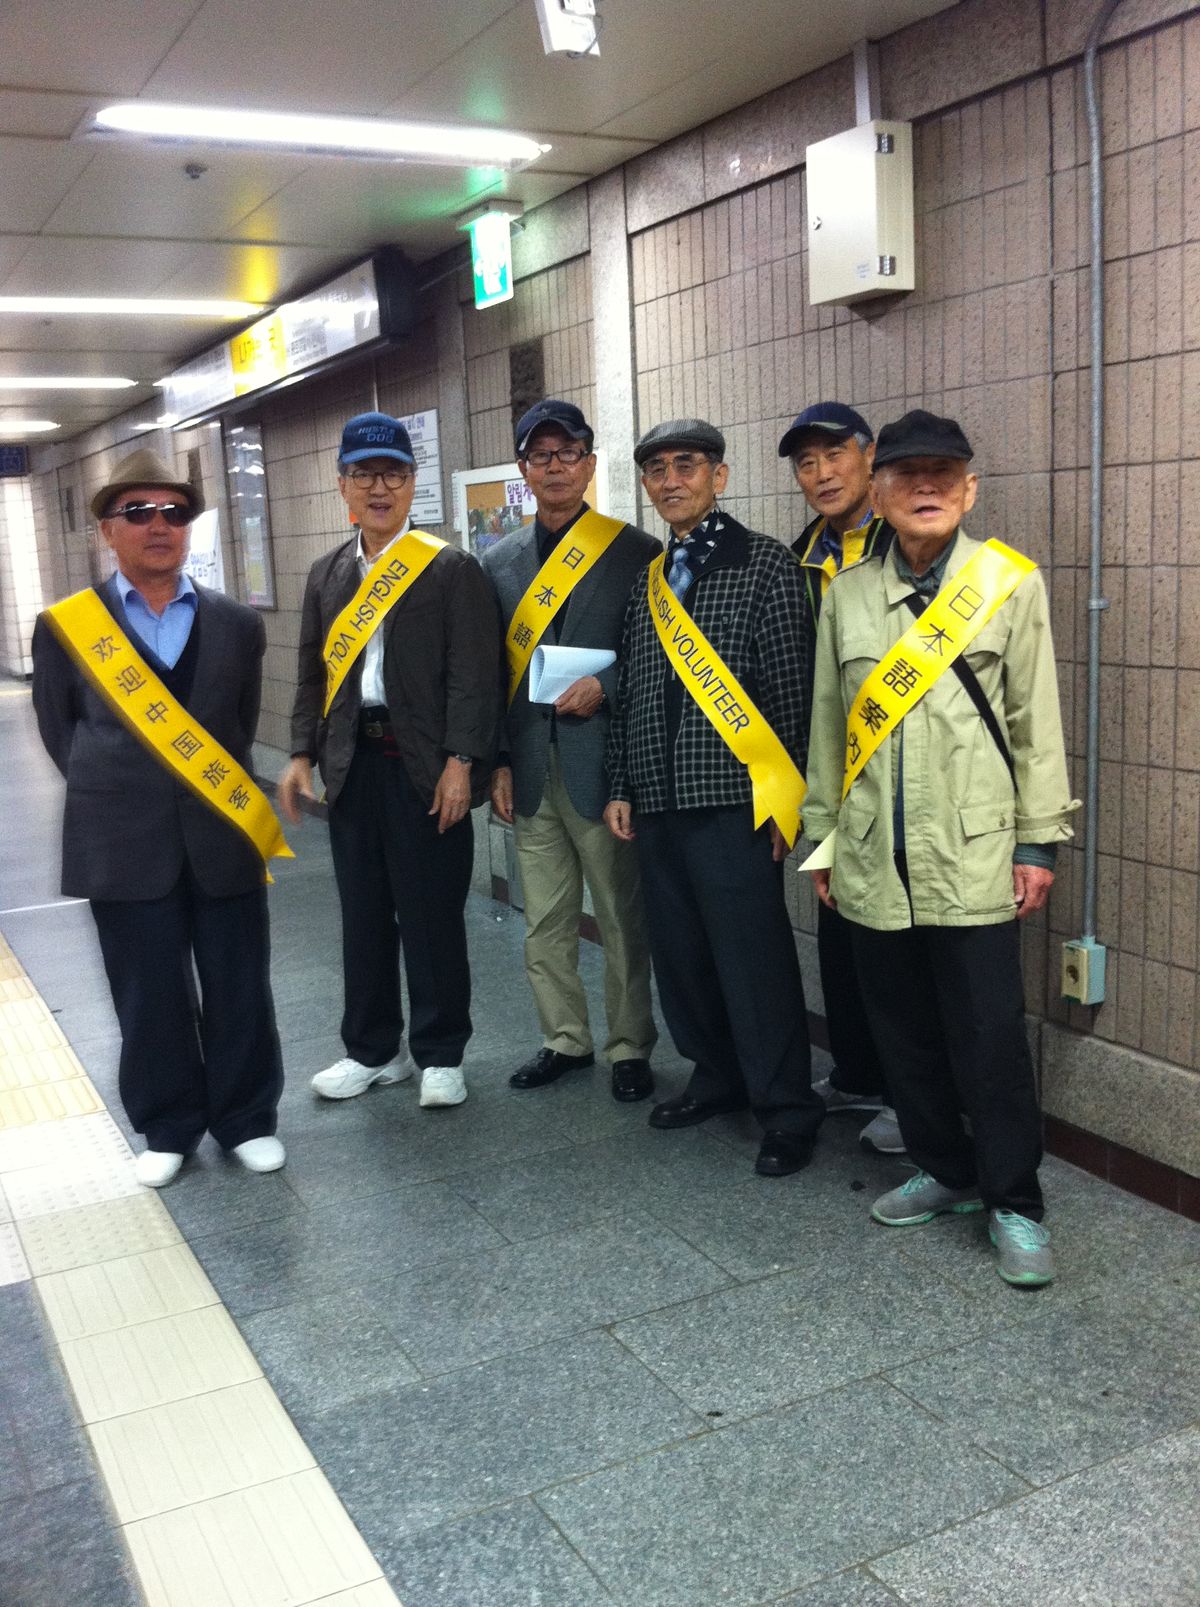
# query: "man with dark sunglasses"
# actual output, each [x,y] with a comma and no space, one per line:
[176,889]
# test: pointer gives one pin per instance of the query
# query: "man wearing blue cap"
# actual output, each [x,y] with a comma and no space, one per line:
[831,448]
[564,581]
[397,703]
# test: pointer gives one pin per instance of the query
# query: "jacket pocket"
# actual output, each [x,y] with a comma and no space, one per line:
[857,850]
[989,835]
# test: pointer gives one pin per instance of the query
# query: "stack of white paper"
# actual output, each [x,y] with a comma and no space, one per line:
[554,669]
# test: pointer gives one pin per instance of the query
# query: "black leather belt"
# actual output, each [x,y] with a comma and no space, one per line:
[375,724]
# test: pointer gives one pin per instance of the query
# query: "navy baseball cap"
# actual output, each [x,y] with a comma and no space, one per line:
[551,411]
[375,435]
[921,435]
[833,419]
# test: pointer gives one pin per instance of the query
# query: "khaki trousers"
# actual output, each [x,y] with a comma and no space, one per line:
[557,850]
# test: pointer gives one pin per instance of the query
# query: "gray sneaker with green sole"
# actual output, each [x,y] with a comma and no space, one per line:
[1025,1256]
[920,1200]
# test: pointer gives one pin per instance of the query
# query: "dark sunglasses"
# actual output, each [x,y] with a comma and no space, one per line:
[177,514]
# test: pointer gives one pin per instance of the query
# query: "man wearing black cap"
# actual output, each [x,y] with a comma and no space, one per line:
[720,937]
[936,697]
[550,783]
[397,703]
[831,447]
[176,888]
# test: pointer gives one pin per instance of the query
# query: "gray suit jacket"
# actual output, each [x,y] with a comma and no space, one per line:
[128,826]
[594,616]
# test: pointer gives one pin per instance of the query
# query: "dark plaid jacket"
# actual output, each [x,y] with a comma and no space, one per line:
[663,753]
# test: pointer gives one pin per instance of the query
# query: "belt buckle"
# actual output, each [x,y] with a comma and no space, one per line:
[374,729]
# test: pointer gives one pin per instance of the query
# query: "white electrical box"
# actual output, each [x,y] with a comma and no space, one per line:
[569,27]
[860,213]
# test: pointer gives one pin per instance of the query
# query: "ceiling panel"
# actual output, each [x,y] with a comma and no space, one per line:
[147,365]
[35,174]
[179,336]
[48,116]
[250,272]
[95,267]
[56,44]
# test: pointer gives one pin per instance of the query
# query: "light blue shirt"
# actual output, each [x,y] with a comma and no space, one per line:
[165,634]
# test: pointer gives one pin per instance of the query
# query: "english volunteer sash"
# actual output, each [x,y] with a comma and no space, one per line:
[588,539]
[778,787]
[381,588]
[120,675]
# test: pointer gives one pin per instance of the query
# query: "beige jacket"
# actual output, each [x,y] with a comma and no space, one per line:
[962,815]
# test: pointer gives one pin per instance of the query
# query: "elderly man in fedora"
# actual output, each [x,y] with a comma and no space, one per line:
[160,850]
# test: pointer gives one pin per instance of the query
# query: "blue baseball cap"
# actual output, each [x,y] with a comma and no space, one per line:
[375,435]
[565,415]
[833,419]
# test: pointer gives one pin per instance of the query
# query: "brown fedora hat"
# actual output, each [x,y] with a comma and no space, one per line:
[145,467]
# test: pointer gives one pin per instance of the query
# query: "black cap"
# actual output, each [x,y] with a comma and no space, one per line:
[921,435]
[551,411]
[834,420]
[693,433]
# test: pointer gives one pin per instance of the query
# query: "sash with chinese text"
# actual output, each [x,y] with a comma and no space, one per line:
[588,539]
[121,676]
[381,588]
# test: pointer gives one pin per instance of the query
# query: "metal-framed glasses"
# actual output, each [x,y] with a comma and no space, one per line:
[177,514]
[543,456]
[393,479]
[684,464]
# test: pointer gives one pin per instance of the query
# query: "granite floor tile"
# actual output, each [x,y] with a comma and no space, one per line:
[213,1191]
[353,1244]
[1053,1397]
[1120,1535]
[507,1557]
[327,1351]
[706,1522]
[857,1589]
[39,1428]
[63,1546]
[492,1302]
[762,1345]
[421,1456]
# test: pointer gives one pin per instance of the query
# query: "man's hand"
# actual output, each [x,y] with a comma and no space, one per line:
[1031,888]
[779,847]
[582,698]
[295,782]
[452,795]
[502,794]
[821,883]
[618,817]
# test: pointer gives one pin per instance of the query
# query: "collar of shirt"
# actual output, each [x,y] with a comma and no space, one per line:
[364,563]
[185,592]
[701,542]
[925,585]
[547,540]
[829,543]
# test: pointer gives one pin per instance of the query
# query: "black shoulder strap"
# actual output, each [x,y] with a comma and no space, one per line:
[969,682]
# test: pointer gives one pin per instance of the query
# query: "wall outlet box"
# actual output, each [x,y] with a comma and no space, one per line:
[1083,970]
[860,214]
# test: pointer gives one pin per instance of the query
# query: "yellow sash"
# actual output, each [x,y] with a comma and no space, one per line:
[588,539]
[928,648]
[778,785]
[382,587]
[131,689]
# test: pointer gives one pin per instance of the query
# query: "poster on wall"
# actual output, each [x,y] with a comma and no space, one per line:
[247,479]
[491,503]
[204,562]
[422,430]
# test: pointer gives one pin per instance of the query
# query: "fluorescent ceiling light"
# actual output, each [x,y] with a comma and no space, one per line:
[25,426]
[164,421]
[61,382]
[356,136]
[131,306]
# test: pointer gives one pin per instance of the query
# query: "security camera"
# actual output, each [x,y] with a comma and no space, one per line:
[569,27]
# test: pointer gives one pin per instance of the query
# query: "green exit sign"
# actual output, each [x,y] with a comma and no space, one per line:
[491,258]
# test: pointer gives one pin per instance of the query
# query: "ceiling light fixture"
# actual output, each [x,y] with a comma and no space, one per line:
[330,136]
[61,382]
[131,306]
[25,426]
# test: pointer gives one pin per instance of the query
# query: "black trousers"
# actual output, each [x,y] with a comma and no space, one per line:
[400,884]
[191,1062]
[725,959]
[947,1009]
[857,1068]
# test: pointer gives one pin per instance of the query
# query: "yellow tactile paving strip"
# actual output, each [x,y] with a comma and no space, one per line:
[218,1496]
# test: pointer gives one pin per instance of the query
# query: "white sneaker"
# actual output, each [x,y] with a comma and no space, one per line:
[347,1078]
[442,1085]
[156,1167]
[261,1154]
[883,1134]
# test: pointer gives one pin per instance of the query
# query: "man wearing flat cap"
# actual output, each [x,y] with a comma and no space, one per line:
[705,759]
[146,692]
[938,789]
[830,447]
[563,582]
[397,703]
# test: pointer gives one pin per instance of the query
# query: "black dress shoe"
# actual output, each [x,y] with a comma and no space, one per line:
[687,1112]
[783,1153]
[631,1080]
[547,1066]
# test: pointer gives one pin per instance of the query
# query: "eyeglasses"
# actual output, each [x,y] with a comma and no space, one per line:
[393,479]
[177,514]
[543,456]
[684,464]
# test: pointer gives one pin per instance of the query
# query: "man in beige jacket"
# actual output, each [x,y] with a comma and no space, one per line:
[945,841]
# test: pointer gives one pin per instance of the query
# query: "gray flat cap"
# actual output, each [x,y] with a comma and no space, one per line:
[692,433]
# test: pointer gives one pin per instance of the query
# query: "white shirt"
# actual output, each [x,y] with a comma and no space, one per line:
[372,676]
